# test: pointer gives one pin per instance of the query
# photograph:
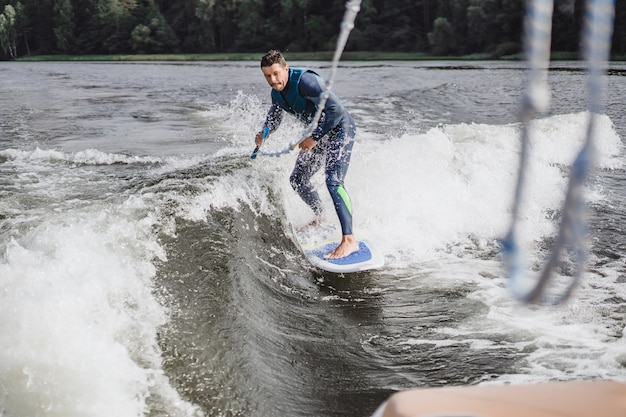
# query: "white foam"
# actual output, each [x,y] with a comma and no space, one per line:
[443,197]
[446,194]
[423,191]
[78,321]
[86,157]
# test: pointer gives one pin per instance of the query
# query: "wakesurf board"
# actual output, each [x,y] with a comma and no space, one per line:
[315,245]
[367,257]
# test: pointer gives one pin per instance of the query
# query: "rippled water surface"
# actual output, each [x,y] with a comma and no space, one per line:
[147,264]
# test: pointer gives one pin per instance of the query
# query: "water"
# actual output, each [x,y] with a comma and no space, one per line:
[147,265]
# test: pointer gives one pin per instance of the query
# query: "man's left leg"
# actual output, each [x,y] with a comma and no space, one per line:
[337,163]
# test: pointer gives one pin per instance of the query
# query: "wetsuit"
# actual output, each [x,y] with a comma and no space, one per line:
[334,135]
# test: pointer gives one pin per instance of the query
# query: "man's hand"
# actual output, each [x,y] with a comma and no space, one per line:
[258,140]
[307,144]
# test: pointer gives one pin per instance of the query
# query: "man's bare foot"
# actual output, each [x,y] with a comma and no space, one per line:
[317,221]
[348,246]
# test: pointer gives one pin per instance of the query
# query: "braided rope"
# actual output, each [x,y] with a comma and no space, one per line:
[573,229]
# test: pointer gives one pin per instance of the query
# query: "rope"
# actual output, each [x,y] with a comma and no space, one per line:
[352,9]
[573,229]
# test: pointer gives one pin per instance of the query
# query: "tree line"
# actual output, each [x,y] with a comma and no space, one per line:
[437,27]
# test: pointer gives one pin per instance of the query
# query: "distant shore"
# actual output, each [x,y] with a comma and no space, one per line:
[296,56]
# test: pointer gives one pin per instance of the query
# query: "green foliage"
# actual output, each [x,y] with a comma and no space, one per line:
[442,37]
[64,25]
[152,35]
[480,24]
[619,33]
[440,27]
[7,31]
[506,49]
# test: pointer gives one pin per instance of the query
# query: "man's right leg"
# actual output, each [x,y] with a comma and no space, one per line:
[307,164]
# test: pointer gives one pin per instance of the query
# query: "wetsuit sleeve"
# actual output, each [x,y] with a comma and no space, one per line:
[311,88]
[274,118]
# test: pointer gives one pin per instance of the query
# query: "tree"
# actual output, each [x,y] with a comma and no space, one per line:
[252,26]
[7,31]
[64,25]
[401,22]
[455,12]
[442,36]
[195,26]
[619,33]
[509,20]
[480,25]
[365,33]
[204,12]
[115,22]
[88,27]
[140,39]
[153,34]
[22,25]
[566,33]
[182,19]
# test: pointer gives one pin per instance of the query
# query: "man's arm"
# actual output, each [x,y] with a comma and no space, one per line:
[272,121]
[274,118]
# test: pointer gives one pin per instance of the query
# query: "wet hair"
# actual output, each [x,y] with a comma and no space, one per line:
[273,57]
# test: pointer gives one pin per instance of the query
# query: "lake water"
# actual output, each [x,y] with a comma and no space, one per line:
[147,265]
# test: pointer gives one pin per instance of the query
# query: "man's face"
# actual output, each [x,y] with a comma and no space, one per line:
[276,76]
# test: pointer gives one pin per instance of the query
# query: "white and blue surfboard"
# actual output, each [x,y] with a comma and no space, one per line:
[366,258]
[317,241]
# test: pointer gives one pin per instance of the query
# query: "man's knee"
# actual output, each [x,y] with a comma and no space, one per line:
[333,181]
[295,181]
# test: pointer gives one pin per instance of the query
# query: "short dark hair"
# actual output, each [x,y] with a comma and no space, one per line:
[273,57]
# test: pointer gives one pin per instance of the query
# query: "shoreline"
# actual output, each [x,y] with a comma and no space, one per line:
[297,56]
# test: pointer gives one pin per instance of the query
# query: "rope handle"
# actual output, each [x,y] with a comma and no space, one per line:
[255,152]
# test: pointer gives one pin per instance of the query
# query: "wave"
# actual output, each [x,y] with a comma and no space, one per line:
[86,157]
[87,326]
[79,319]
[421,192]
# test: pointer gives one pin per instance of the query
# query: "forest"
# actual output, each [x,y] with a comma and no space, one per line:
[434,27]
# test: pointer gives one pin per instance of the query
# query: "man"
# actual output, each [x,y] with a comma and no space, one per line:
[299,91]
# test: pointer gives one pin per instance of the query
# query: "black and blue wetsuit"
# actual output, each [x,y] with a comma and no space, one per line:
[334,135]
